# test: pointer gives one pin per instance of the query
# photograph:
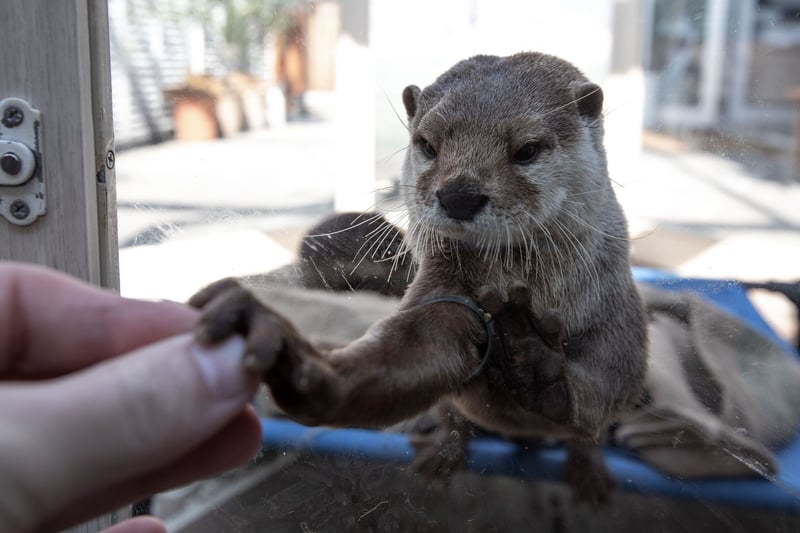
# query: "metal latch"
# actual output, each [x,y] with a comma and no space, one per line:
[22,192]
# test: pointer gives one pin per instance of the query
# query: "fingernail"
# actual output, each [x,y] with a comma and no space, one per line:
[221,366]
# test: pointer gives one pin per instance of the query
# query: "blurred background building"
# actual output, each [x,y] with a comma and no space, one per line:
[714,71]
[727,70]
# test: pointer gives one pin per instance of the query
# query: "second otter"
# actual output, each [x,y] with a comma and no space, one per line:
[506,182]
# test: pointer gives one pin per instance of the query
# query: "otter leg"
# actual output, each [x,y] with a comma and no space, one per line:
[442,450]
[533,369]
[586,472]
[531,364]
[401,366]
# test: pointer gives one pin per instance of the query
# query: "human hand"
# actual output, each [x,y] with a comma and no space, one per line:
[104,400]
[301,382]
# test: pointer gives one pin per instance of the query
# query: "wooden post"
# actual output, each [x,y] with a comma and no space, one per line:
[55,56]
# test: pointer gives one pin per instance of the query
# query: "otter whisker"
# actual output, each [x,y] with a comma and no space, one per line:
[555,255]
[581,253]
[391,242]
[509,257]
[397,217]
[532,249]
[382,229]
[568,104]
[497,250]
[373,244]
[439,243]
[321,275]
[579,220]
[458,258]
[386,159]
[381,239]
[373,237]
[593,191]
[347,281]
[348,228]
[394,110]
[405,248]
[526,247]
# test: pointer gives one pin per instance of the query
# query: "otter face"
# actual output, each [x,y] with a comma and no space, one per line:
[498,145]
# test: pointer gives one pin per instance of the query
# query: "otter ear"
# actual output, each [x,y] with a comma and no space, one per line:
[588,98]
[410,97]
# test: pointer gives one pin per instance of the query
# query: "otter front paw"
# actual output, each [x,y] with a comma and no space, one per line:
[300,381]
[530,362]
[440,437]
[439,454]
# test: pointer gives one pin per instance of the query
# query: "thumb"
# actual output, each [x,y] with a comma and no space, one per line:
[121,418]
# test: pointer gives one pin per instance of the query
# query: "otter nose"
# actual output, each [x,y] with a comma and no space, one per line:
[460,201]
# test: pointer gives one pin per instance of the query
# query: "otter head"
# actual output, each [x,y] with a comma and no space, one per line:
[499,146]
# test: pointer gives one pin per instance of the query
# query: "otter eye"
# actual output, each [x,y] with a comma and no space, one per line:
[427,148]
[527,154]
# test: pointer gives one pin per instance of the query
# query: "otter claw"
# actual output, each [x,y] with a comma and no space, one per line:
[490,300]
[519,294]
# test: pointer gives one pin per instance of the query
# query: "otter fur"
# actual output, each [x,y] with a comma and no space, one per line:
[508,197]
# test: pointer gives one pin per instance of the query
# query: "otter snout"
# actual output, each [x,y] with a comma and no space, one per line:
[461,201]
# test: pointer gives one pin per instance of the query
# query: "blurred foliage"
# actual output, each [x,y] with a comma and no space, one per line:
[241,23]
[239,19]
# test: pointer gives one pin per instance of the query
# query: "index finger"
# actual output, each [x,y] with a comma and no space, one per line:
[52,324]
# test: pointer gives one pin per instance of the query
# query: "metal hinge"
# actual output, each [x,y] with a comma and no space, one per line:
[22,191]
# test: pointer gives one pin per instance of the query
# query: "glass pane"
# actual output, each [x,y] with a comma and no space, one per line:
[241,125]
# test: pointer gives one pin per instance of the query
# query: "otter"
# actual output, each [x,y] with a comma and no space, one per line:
[354,252]
[509,203]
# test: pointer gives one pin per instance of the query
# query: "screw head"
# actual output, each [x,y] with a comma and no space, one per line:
[12,117]
[10,163]
[19,209]
[110,159]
